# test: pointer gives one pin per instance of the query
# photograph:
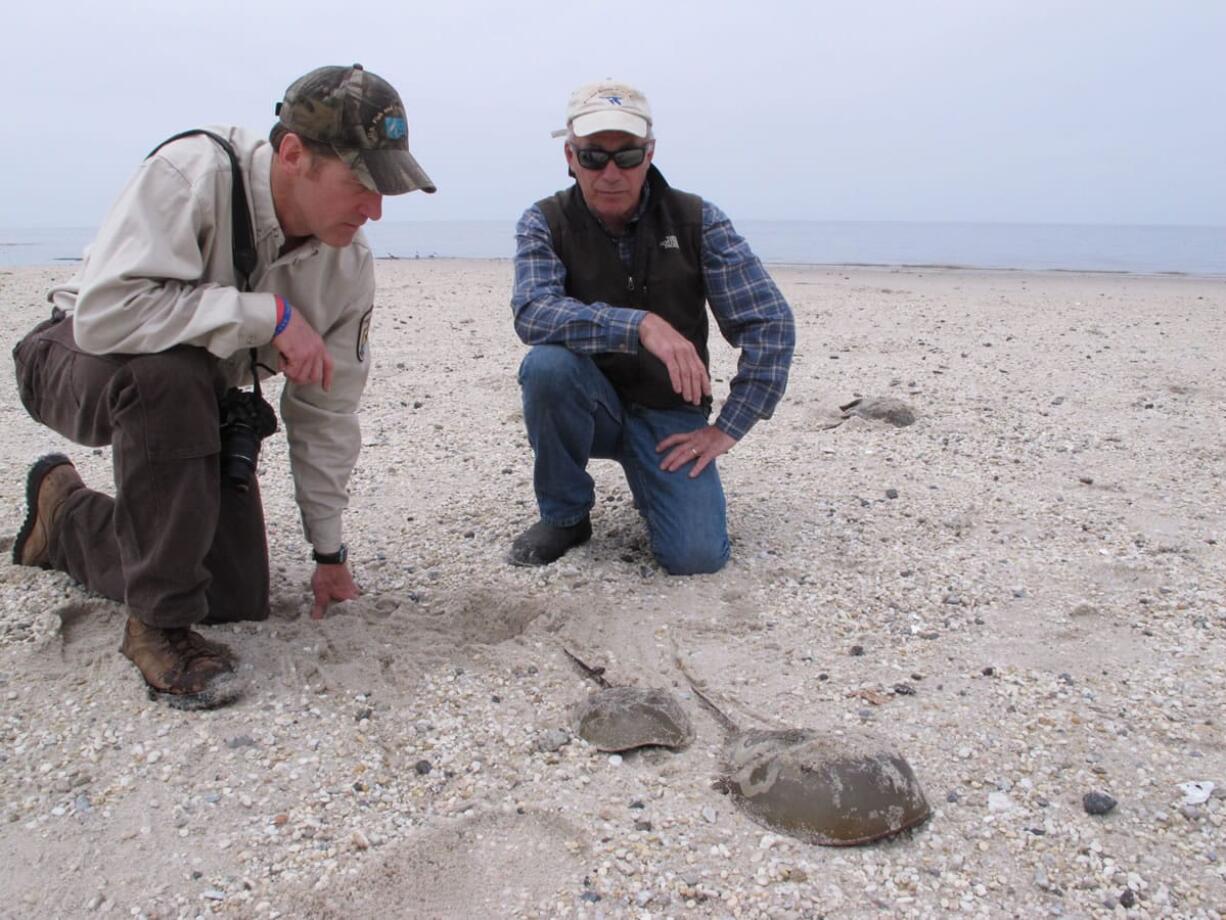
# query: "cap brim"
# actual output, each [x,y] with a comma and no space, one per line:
[611,120]
[392,172]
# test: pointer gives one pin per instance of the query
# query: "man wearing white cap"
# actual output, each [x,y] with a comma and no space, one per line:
[612,281]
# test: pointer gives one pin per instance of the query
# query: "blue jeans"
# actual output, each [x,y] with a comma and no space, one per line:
[573,414]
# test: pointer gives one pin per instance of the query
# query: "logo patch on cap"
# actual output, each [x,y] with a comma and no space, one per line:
[394,127]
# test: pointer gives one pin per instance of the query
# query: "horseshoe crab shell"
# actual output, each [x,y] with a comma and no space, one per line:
[832,790]
[882,409]
[621,718]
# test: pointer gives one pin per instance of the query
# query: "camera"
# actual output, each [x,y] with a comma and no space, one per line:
[246,420]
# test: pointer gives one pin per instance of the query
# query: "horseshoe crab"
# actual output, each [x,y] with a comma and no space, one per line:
[881,408]
[829,789]
[622,718]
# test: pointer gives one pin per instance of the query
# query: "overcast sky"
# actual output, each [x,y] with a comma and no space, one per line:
[1103,111]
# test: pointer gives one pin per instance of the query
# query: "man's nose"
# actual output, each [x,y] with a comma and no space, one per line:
[372,206]
[610,176]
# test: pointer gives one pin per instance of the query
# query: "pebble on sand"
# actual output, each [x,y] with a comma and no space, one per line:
[1097,803]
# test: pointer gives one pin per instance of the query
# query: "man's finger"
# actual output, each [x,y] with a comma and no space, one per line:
[319,608]
[678,457]
[696,381]
[674,373]
[682,385]
[698,387]
[670,441]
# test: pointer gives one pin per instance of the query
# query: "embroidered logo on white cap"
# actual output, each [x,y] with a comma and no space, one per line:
[606,105]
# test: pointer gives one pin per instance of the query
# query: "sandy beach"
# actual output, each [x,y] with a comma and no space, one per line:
[1024,592]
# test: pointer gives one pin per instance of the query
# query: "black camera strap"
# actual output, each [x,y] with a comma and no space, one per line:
[242,236]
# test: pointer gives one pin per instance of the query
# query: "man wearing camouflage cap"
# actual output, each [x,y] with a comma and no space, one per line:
[181,298]
[613,277]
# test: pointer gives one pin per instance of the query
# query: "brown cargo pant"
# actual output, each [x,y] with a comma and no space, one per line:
[175,544]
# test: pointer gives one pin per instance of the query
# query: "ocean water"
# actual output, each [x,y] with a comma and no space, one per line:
[1071,247]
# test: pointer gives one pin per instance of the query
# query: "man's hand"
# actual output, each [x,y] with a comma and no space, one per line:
[304,357]
[698,447]
[331,583]
[686,372]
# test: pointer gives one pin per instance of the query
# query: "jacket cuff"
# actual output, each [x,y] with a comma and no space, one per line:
[735,421]
[624,337]
[325,534]
[260,318]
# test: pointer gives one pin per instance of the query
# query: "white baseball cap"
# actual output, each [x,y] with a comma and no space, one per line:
[606,105]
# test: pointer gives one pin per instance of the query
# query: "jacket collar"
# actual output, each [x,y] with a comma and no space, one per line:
[268,232]
[265,216]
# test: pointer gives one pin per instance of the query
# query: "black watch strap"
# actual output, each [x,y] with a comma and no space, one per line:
[336,558]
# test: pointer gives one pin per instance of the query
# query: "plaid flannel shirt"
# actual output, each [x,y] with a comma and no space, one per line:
[751,313]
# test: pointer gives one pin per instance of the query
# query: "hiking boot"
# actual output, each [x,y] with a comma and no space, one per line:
[181,666]
[543,543]
[50,480]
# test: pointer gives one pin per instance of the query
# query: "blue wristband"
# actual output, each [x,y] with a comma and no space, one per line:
[284,320]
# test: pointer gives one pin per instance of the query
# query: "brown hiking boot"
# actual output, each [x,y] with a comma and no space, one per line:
[181,666]
[50,480]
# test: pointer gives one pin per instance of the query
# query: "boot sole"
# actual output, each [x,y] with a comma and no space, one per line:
[530,558]
[224,690]
[34,481]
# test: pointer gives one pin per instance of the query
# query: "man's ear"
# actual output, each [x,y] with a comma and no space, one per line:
[293,155]
[570,159]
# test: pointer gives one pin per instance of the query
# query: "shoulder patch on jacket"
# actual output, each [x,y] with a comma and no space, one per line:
[364,334]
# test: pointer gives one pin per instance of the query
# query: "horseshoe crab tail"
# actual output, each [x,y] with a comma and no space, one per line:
[721,717]
[595,673]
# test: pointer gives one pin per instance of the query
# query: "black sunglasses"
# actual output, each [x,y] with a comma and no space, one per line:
[596,159]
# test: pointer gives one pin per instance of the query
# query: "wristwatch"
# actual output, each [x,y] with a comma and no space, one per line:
[336,558]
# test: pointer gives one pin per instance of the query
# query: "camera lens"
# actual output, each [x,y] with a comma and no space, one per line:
[239,454]
[246,419]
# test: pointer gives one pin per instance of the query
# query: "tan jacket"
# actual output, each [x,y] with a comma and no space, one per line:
[160,273]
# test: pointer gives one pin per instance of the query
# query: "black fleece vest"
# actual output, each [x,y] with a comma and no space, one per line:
[666,279]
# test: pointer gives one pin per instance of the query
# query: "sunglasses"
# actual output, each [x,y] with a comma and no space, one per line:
[594,158]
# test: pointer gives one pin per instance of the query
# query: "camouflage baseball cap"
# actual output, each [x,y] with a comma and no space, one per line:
[362,118]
